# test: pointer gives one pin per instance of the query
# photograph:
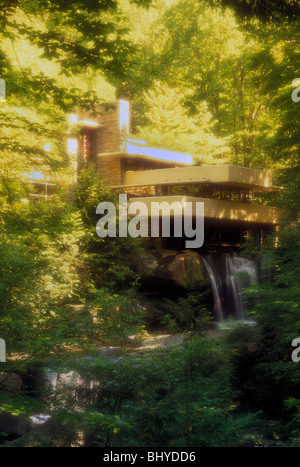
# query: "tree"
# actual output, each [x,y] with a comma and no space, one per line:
[274,10]
[107,260]
[170,126]
[73,45]
[215,69]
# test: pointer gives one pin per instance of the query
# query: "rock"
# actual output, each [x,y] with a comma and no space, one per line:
[145,264]
[185,267]
[11,383]
[15,425]
[166,253]
[168,267]
[194,266]
[176,270]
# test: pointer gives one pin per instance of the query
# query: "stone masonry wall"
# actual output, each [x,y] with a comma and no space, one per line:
[109,169]
[109,137]
[112,136]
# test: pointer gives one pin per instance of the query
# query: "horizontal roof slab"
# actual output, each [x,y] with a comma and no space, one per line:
[161,155]
[219,210]
[230,175]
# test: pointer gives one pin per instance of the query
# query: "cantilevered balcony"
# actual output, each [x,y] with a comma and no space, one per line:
[225,175]
[226,191]
[218,210]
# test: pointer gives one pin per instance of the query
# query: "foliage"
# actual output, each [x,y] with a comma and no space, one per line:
[57,427]
[116,317]
[275,10]
[189,313]
[293,404]
[183,394]
[266,374]
[210,77]
[38,274]
[106,259]
[170,126]
[50,263]
[229,79]
[185,397]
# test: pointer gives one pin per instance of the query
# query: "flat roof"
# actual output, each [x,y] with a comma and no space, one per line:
[218,210]
[231,175]
[162,155]
[168,160]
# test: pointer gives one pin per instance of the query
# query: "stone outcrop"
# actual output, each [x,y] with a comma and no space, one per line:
[15,425]
[169,267]
[10,382]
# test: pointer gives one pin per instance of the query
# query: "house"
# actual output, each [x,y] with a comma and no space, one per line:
[153,174]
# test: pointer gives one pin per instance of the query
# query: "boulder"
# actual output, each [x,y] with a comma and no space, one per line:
[15,425]
[185,267]
[146,264]
[10,382]
[170,267]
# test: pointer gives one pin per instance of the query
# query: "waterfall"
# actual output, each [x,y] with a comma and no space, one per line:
[242,273]
[229,274]
[216,285]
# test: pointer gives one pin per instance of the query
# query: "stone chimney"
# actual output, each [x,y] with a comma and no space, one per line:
[104,136]
[111,125]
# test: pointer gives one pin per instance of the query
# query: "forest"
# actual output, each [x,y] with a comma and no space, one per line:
[218,79]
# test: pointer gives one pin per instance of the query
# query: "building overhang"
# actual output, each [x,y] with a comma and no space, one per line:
[157,154]
[224,175]
[143,157]
[218,210]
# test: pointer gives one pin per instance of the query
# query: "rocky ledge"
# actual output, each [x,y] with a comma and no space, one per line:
[168,267]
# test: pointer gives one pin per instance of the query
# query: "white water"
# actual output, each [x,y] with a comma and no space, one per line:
[229,274]
[216,285]
[242,273]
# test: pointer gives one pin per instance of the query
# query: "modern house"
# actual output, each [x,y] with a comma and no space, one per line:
[153,174]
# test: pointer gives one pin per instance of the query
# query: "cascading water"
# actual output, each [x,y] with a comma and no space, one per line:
[229,274]
[216,285]
[242,273]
